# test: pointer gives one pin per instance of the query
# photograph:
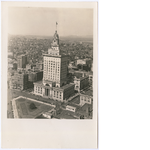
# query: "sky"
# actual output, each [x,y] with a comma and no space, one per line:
[42,21]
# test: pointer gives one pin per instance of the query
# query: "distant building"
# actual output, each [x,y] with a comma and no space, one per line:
[84,64]
[71,64]
[35,76]
[15,66]
[19,81]
[22,61]
[10,54]
[40,66]
[29,66]
[91,79]
[92,67]
[10,65]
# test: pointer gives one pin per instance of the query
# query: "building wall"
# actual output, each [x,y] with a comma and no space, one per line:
[68,92]
[81,61]
[63,71]
[55,69]
[19,81]
[58,95]
[70,108]
[35,76]
[22,61]
[81,83]
[85,99]
[55,93]
[52,68]
[84,83]
[38,90]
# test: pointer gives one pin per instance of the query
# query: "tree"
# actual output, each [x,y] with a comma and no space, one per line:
[32,106]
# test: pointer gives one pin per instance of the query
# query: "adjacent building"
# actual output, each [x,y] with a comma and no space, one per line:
[19,81]
[86,97]
[35,76]
[22,61]
[84,64]
[81,83]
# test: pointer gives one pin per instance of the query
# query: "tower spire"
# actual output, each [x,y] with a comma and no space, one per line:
[56,26]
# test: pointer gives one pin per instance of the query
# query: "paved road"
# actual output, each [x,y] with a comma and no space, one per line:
[9,105]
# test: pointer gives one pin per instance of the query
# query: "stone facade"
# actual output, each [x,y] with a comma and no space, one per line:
[56,93]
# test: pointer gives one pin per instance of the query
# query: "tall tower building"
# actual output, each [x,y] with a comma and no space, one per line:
[55,65]
[54,84]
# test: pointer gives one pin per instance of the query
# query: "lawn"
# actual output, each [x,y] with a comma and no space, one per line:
[24,110]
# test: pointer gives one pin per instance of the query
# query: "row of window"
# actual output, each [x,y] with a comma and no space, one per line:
[54,53]
[52,75]
[85,99]
[38,90]
[54,60]
[56,94]
[51,63]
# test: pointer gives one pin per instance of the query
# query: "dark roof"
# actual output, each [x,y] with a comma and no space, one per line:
[66,115]
[39,82]
[76,100]
[85,106]
[73,105]
[81,78]
[64,87]
[89,93]
[78,75]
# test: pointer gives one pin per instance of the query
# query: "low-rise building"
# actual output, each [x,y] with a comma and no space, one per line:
[86,97]
[71,107]
[86,111]
[51,91]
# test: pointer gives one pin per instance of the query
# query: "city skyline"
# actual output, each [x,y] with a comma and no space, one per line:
[42,21]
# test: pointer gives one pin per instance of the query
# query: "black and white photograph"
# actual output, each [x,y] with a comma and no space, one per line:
[50,63]
[49,77]
[75,74]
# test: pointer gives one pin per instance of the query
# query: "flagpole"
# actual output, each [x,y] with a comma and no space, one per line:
[56,26]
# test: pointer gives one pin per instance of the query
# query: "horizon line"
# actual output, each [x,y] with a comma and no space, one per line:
[48,35]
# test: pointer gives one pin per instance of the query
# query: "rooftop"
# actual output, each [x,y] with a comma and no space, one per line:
[39,82]
[72,105]
[65,86]
[66,115]
[88,92]
[49,55]
[81,78]
[76,100]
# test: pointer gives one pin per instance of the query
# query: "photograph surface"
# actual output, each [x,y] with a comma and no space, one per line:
[50,63]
